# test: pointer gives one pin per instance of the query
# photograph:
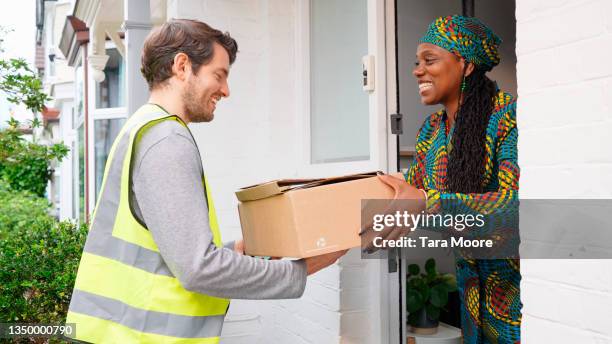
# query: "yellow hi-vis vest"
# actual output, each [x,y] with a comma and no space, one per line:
[124,291]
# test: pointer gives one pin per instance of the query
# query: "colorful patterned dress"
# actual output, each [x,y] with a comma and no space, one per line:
[489,289]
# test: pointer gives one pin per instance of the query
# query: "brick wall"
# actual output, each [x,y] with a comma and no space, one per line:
[564,49]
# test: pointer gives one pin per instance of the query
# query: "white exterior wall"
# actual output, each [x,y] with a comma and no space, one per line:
[63,72]
[59,86]
[256,136]
[565,121]
[63,93]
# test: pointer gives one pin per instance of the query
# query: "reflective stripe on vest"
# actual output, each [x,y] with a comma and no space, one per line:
[124,291]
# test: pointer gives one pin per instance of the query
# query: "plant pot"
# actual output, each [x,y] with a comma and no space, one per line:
[423,324]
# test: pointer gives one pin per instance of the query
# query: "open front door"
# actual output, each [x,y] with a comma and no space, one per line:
[343,105]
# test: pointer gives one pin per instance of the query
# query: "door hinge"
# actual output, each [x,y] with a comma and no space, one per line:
[397,125]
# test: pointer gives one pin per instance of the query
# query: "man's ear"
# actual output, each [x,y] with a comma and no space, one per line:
[181,66]
[469,69]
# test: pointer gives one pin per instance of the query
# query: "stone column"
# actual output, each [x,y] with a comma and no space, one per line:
[137,24]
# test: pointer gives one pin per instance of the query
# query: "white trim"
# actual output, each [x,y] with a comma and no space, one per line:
[379,154]
[66,166]
[378,98]
[392,301]
[302,79]
[87,10]
[117,42]
[78,120]
[75,173]
[112,45]
[91,180]
[109,113]
[76,123]
[391,84]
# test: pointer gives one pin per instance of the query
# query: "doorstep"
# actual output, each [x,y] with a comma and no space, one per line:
[446,334]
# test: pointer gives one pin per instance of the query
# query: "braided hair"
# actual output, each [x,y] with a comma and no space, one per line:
[466,163]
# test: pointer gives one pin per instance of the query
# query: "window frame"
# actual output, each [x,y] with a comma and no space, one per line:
[77,122]
[99,114]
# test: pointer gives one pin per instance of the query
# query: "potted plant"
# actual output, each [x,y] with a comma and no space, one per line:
[426,295]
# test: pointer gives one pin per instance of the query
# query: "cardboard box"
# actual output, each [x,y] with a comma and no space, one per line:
[301,218]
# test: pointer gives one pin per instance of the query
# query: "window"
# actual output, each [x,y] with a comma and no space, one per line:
[339,108]
[79,112]
[110,93]
[105,132]
[78,148]
[75,181]
[108,115]
[81,173]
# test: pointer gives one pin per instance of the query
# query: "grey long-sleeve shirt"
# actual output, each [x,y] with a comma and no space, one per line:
[167,195]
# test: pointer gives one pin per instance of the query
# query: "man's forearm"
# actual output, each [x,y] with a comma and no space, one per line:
[176,213]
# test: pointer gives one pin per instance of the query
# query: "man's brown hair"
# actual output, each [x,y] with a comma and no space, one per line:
[192,37]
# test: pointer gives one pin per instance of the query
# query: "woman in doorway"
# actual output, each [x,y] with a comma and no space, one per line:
[467,152]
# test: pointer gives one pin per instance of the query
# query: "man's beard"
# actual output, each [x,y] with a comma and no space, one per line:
[196,109]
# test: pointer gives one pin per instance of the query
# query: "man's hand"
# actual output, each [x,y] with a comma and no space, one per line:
[403,191]
[239,246]
[316,263]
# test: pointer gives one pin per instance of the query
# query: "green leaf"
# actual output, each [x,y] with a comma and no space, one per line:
[413,270]
[414,300]
[426,293]
[439,296]
[35,123]
[433,312]
[450,281]
[430,266]
[13,122]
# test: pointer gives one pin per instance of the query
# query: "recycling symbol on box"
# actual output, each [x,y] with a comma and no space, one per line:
[321,242]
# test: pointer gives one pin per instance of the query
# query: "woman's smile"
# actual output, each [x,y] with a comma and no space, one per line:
[424,87]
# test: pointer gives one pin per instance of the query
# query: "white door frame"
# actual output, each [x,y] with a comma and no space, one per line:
[396,291]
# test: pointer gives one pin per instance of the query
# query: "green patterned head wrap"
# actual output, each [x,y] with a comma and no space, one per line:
[466,37]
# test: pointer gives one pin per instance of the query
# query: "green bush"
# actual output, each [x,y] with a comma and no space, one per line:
[19,82]
[26,166]
[20,209]
[38,267]
[39,257]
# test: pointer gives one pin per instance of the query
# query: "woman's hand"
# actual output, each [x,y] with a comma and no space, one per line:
[316,263]
[403,191]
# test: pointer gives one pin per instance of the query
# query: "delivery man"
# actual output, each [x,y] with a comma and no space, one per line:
[154,268]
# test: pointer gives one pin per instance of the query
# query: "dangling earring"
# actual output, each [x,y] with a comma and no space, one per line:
[463,85]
